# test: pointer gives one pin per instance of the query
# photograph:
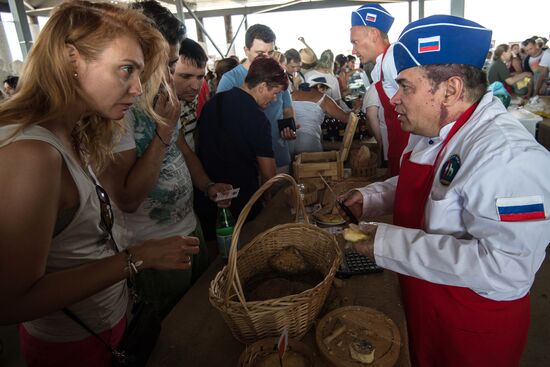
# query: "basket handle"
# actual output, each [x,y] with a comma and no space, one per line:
[233,276]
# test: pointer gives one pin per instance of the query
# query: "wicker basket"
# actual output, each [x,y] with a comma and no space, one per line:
[253,353]
[251,321]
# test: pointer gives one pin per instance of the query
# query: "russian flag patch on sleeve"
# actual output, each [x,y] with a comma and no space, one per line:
[520,208]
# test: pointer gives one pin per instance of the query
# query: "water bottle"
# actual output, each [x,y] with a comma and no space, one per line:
[224,231]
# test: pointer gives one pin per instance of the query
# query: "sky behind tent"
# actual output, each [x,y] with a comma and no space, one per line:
[329,28]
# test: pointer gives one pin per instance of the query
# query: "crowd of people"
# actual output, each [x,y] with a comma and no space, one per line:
[114,152]
[522,69]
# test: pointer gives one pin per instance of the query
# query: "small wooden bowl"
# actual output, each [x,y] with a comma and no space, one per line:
[254,352]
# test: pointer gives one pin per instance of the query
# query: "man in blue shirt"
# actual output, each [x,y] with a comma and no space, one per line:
[259,42]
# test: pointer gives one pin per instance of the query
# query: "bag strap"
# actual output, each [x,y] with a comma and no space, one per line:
[120,356]
[75,318]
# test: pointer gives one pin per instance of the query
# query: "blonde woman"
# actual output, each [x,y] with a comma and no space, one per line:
[56,240]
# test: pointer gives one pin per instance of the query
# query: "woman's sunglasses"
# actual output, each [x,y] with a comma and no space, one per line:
[107,216]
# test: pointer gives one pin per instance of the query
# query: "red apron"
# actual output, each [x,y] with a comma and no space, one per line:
[452,326]
[397,138]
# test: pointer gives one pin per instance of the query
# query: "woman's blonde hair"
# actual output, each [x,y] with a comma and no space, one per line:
[326,61]
[48,84]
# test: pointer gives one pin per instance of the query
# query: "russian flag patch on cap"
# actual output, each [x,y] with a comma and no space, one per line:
[429,44]
[370,17]
[520,208]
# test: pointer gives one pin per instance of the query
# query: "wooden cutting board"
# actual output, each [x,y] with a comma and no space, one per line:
[365,322]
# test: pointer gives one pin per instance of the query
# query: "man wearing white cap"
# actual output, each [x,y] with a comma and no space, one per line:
[470,204]
[369,35]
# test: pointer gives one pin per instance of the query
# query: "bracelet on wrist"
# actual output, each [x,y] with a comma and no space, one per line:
[161,140]
[132,264]
[207,187]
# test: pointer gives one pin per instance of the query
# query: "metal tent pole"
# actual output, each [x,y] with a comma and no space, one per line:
[199,23]
[17,8]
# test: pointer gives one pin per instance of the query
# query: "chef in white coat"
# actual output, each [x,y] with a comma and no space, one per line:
[370,25]
[470,205]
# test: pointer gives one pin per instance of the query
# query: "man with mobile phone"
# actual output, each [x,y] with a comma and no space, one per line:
[235,138]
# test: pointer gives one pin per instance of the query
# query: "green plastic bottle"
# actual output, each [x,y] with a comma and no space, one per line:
[224,231]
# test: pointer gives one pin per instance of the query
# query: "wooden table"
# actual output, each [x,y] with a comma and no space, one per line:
[194,333]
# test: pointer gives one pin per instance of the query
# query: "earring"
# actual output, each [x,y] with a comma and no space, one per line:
[75,75]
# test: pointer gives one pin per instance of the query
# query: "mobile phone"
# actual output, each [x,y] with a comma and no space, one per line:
[287,122]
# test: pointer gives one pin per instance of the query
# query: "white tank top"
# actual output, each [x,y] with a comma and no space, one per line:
[310,116]
[81,242]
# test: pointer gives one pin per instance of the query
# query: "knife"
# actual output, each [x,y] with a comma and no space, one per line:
[340,204]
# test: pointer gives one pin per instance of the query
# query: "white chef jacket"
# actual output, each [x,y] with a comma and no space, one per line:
[465,243]
[390,87]
[390,72]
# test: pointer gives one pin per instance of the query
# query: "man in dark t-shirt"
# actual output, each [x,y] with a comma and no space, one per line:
[234,133]
[235,138]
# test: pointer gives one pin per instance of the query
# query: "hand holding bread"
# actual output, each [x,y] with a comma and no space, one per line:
[362,237]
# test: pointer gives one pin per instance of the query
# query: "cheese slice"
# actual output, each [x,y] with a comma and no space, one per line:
[353,235]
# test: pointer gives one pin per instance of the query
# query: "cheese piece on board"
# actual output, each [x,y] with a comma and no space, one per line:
[354,235]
